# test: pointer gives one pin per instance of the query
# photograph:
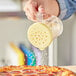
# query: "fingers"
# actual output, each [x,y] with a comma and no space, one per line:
[31,10]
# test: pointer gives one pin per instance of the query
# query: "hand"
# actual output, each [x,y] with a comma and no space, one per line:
[46,7]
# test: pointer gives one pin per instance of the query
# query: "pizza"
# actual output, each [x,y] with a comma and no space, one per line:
[34,71]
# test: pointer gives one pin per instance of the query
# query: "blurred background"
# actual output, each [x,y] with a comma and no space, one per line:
[13,28]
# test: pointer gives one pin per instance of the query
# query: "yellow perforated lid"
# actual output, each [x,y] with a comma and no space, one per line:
[39,35]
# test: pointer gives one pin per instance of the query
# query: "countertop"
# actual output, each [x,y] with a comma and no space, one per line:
[71,68]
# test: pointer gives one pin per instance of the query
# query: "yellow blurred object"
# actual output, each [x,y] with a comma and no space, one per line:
[21,57]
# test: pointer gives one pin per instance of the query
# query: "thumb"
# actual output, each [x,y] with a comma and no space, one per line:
[41,9]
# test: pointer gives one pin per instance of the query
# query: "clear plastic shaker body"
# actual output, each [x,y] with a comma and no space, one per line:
[54,23]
